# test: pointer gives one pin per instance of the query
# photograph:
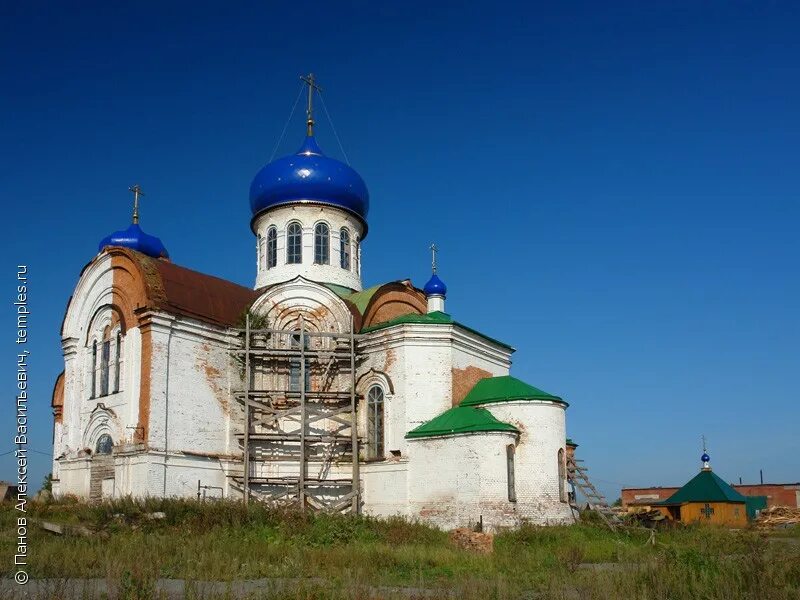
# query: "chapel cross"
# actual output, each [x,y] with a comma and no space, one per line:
[137,193]
[707,511]
[433,258]
[312,85]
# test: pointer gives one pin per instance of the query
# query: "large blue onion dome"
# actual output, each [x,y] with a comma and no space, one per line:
[435,287]
[309,176]
[134,238]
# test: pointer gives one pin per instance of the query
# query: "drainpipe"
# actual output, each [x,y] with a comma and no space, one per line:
[166,408]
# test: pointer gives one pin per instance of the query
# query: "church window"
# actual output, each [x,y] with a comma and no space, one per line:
[104,444]
[322,244]
[357,256]
[294,244]
[94,369]
[117,361]
[260,250]
[344,248]
[272,247]
[562,476]
[295,366]
[375,422]
[512,486]
[105,358]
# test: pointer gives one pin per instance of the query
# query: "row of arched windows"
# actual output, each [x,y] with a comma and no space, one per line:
[268,247]
[105,372]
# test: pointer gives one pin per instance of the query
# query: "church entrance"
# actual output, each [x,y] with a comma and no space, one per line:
[101,477]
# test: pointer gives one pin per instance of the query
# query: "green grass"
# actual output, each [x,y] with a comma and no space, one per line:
[326,556]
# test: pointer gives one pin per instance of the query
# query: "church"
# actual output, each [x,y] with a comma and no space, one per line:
[308,390]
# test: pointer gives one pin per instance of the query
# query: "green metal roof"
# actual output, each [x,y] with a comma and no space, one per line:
[339,290]
[460,419]
[505,389]
[706,486]
[433,318]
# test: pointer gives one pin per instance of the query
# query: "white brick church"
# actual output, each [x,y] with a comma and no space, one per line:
[309,390]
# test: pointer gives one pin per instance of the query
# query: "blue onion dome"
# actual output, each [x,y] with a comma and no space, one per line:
[435,287]
[309,176]
[705,458]
[134,238]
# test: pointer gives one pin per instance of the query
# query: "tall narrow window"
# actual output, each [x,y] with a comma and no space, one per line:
[118,361]
[357,256]
[295,366]
[104,367]
[512,485]
[375,422]
[94,369]
[322,244]
[562,476]
[272,247]
[344,248]
[294,244]
[260,250]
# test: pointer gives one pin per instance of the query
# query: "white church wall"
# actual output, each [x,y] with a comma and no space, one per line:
[542,428]
[189,394]
[308,215]
[384,488]
[457,480]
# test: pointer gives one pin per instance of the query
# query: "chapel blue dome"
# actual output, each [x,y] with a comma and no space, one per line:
[435,287]
[134,238]
[309,176]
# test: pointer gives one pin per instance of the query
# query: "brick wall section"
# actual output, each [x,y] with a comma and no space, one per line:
[542,428]
[778,494]
[102,468]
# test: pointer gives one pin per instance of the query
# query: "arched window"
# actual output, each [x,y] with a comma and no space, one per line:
[294,244]
[295,366]
[260,250]
[118,360]
[104,444]
[94,369]
[272,247]
[344,248]
[562,476]
[375,422]
[105,359]
[512,486]
[322,244]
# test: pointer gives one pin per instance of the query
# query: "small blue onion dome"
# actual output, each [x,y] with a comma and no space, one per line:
[435,287]
[309,176]
[705,458]
[134,238]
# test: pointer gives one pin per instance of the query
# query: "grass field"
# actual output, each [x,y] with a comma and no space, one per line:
[332,557]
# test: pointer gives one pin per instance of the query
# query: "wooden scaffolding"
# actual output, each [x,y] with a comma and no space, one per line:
[299,409]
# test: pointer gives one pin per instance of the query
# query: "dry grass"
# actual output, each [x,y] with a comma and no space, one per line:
[323,556]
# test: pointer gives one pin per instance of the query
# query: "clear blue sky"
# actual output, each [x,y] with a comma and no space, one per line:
[614,188]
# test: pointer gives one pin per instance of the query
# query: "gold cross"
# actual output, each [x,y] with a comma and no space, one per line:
[137,192]
[312,85]
[433,258]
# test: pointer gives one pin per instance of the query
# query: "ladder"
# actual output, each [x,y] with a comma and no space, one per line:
[578,476]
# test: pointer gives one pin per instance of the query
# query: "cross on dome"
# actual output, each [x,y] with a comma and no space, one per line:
[312,86]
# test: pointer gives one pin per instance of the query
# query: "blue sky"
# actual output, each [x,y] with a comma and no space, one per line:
[614,190]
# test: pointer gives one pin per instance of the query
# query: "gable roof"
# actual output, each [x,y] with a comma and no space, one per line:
[460,419]
[182,291]
[706,486]
[505,388]
[204,297]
